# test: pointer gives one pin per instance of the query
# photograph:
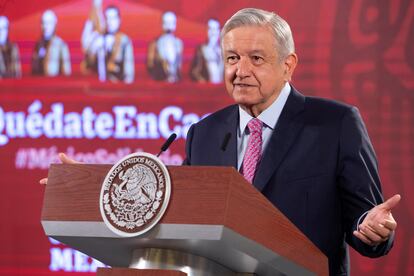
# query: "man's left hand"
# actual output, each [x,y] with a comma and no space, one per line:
[379,223]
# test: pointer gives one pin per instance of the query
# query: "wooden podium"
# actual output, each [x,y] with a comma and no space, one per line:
[216,224]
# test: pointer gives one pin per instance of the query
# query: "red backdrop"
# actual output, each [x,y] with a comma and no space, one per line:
[359,52]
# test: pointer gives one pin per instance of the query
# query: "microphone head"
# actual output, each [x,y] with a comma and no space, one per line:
[168,142]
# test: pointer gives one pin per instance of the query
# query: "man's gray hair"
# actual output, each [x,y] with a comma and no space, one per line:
[258,17]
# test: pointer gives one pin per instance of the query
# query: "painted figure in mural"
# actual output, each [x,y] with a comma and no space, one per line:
[207,64]
[164,57]
[108,51]
[94,27]
[51,54]
[9,53]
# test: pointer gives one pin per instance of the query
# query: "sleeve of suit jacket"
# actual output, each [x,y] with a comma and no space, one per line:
[358,180]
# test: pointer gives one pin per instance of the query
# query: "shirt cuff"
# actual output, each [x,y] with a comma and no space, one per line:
[361,219]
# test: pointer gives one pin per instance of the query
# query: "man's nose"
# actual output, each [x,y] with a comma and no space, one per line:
[243,68]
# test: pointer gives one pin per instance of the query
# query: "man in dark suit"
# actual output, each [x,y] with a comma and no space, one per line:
[312,158]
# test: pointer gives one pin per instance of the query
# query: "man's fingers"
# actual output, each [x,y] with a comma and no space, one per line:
[371,234]
[390,224]
[360,236]
[379,224]
[66,160]
[380,230]
[391,202]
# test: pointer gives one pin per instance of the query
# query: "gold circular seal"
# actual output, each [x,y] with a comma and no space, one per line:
[135,194]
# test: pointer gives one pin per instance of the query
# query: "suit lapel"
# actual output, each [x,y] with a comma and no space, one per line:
[229,155]
[283,136]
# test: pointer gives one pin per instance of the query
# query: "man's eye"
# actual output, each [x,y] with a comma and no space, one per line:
[232,59]
[257,59]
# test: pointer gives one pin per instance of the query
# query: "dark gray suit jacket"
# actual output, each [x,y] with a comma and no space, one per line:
[319,169]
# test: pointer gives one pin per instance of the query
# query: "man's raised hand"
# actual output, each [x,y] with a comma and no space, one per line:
[379,223]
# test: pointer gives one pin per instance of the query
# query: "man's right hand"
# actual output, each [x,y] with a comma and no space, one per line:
[65,160]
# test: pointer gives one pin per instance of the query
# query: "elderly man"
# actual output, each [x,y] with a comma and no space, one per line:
[164,58]
[207,64]
[51,54]
[9,53]
[312,158]
[111,53]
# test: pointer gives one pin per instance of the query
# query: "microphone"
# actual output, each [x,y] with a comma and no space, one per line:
[225,141]
[167,143]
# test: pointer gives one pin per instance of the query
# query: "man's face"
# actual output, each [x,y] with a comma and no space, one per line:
[4,30]
[112,20]
[213,30]
[254,75]
[97,3]
[48,24]
[169,22]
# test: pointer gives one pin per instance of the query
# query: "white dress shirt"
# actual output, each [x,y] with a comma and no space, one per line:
[269,117]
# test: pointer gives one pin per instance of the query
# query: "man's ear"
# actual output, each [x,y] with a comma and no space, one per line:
[290,64]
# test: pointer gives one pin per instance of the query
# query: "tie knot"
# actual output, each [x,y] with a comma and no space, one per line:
[255,125]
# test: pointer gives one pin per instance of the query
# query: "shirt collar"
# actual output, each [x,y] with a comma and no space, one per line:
[270,115]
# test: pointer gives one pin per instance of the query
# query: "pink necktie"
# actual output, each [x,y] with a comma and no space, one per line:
[254,149]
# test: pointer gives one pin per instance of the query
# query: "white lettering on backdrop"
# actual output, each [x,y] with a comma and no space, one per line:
[123,122]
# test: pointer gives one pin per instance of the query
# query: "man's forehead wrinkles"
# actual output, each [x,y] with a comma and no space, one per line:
[253,45]
[243,50]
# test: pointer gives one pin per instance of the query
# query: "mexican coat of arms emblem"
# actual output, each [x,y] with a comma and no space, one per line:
[135,194]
